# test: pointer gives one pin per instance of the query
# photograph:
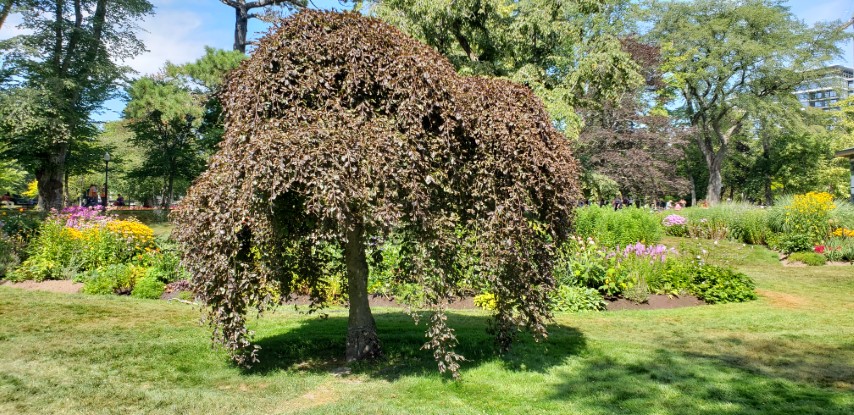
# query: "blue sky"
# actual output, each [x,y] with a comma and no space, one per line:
[180,29]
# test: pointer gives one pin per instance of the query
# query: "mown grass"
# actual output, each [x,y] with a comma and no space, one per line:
[790,352]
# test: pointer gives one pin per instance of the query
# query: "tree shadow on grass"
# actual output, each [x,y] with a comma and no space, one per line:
[685,382]
[318,345]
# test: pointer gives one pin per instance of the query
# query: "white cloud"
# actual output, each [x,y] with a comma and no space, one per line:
[169,36]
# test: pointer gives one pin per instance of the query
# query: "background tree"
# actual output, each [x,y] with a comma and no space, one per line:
[65,69]
[164,118]
[335,146]
[204,78]
[568,52]
[242,14]
[721,57]
[641,153]
[635,142]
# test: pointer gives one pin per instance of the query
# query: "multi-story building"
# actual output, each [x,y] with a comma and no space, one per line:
[830,85]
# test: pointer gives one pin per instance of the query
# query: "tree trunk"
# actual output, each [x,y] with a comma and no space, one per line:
[50,178]
[241,26]
[766,179]
[66,191]
[170,186]
[693,191]
[362,340]
[713,192]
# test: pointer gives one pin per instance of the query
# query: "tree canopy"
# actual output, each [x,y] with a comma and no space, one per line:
[722,58]
[327,148]
[568,52]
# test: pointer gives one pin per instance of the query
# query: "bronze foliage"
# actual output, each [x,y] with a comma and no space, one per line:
[340,122]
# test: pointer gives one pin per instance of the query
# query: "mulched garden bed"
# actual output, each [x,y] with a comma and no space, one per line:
[467,303]
[55,286]
[655,302]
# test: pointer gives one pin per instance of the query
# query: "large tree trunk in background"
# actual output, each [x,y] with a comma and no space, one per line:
[240,28]
[51,178]
[362,340]
[713,192]
[714,162]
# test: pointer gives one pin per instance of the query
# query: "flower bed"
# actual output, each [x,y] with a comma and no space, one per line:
[107,254]
[811,222]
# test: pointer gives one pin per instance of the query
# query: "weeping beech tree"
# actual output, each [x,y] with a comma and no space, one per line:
[339,131]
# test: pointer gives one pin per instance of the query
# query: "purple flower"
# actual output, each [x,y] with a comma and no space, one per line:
[674,220]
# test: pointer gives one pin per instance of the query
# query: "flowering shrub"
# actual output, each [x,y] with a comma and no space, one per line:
[674,220]
[612,271]
[80,239]
[636,270]
[675,225]
[808,215]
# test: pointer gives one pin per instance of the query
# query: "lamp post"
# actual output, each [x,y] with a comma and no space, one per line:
[106,179]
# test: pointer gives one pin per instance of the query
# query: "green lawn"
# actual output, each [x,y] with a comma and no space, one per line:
[162,230]
[792,351]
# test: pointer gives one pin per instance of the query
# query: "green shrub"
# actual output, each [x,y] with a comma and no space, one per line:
[22,224]
[583,263]
[637,291]
[9,258]
[618,228]
[165,266]
[674,279]
[148,287]
[714,284]
[112,279]
[50,251]
[810,258]
[99,284]
[570,298]
[789,242]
